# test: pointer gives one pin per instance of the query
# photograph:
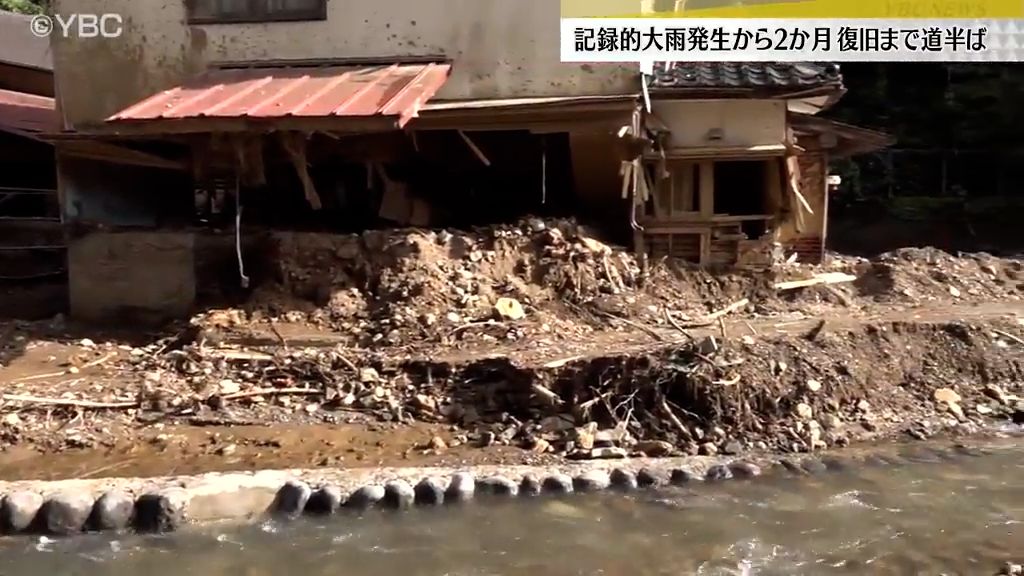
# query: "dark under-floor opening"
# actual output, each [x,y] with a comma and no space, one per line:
[430,179]
[740,191]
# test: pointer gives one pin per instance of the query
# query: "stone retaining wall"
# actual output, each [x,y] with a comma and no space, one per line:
[166,504]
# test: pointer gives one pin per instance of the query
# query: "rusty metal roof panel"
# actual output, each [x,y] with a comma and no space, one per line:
[396,90]
[27,114]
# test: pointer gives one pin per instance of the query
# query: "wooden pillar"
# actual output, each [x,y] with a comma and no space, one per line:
[773,185]
[684,184]
[707,206]
[824,206]
[707,188]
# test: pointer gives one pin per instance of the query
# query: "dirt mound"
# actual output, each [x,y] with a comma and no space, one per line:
[929,274]
[399,286]
[557,280]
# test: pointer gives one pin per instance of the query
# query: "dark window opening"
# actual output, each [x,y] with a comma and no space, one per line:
[243,11]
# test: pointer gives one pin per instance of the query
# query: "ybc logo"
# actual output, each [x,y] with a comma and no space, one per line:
[78,25]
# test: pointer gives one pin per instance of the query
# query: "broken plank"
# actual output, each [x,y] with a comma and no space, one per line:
[827,278]
[242,355]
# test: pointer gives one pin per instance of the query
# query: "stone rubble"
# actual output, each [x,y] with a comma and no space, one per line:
[324,501]
[430,492]
[399,495]
[365,497]
[291,499]
[113,511]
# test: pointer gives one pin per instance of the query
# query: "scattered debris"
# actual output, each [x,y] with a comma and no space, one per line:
[946,396]
[509,309]
[804,411]
[655,448]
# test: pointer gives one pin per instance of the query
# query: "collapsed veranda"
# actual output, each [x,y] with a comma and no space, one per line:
[195,149]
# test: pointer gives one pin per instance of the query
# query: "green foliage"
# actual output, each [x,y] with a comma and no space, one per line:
[925,105]
[971,114]
[23,6]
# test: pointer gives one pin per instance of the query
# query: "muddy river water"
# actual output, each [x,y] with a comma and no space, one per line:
[932,514]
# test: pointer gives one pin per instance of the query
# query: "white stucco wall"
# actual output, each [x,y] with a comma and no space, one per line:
[500,48]
[742,122]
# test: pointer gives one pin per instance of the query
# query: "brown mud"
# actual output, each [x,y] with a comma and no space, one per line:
[517,344]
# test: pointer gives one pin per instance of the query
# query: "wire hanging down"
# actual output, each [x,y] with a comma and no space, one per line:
[543,170]
[238,232]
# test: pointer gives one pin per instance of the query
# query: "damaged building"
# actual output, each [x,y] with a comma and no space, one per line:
[206,124]
[738,165]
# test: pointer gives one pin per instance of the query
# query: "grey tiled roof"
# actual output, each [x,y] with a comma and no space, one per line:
[724,75]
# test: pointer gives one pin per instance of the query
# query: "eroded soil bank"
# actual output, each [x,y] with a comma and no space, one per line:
[526,344]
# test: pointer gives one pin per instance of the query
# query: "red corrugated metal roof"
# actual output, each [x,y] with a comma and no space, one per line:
[391,91]
[27,114]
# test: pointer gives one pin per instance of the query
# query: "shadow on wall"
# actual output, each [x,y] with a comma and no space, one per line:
[123,195]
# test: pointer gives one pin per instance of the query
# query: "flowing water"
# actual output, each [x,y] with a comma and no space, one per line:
[947,514]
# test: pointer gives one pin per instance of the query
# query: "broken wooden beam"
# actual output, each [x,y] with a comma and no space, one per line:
[294,145]
[476,149]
